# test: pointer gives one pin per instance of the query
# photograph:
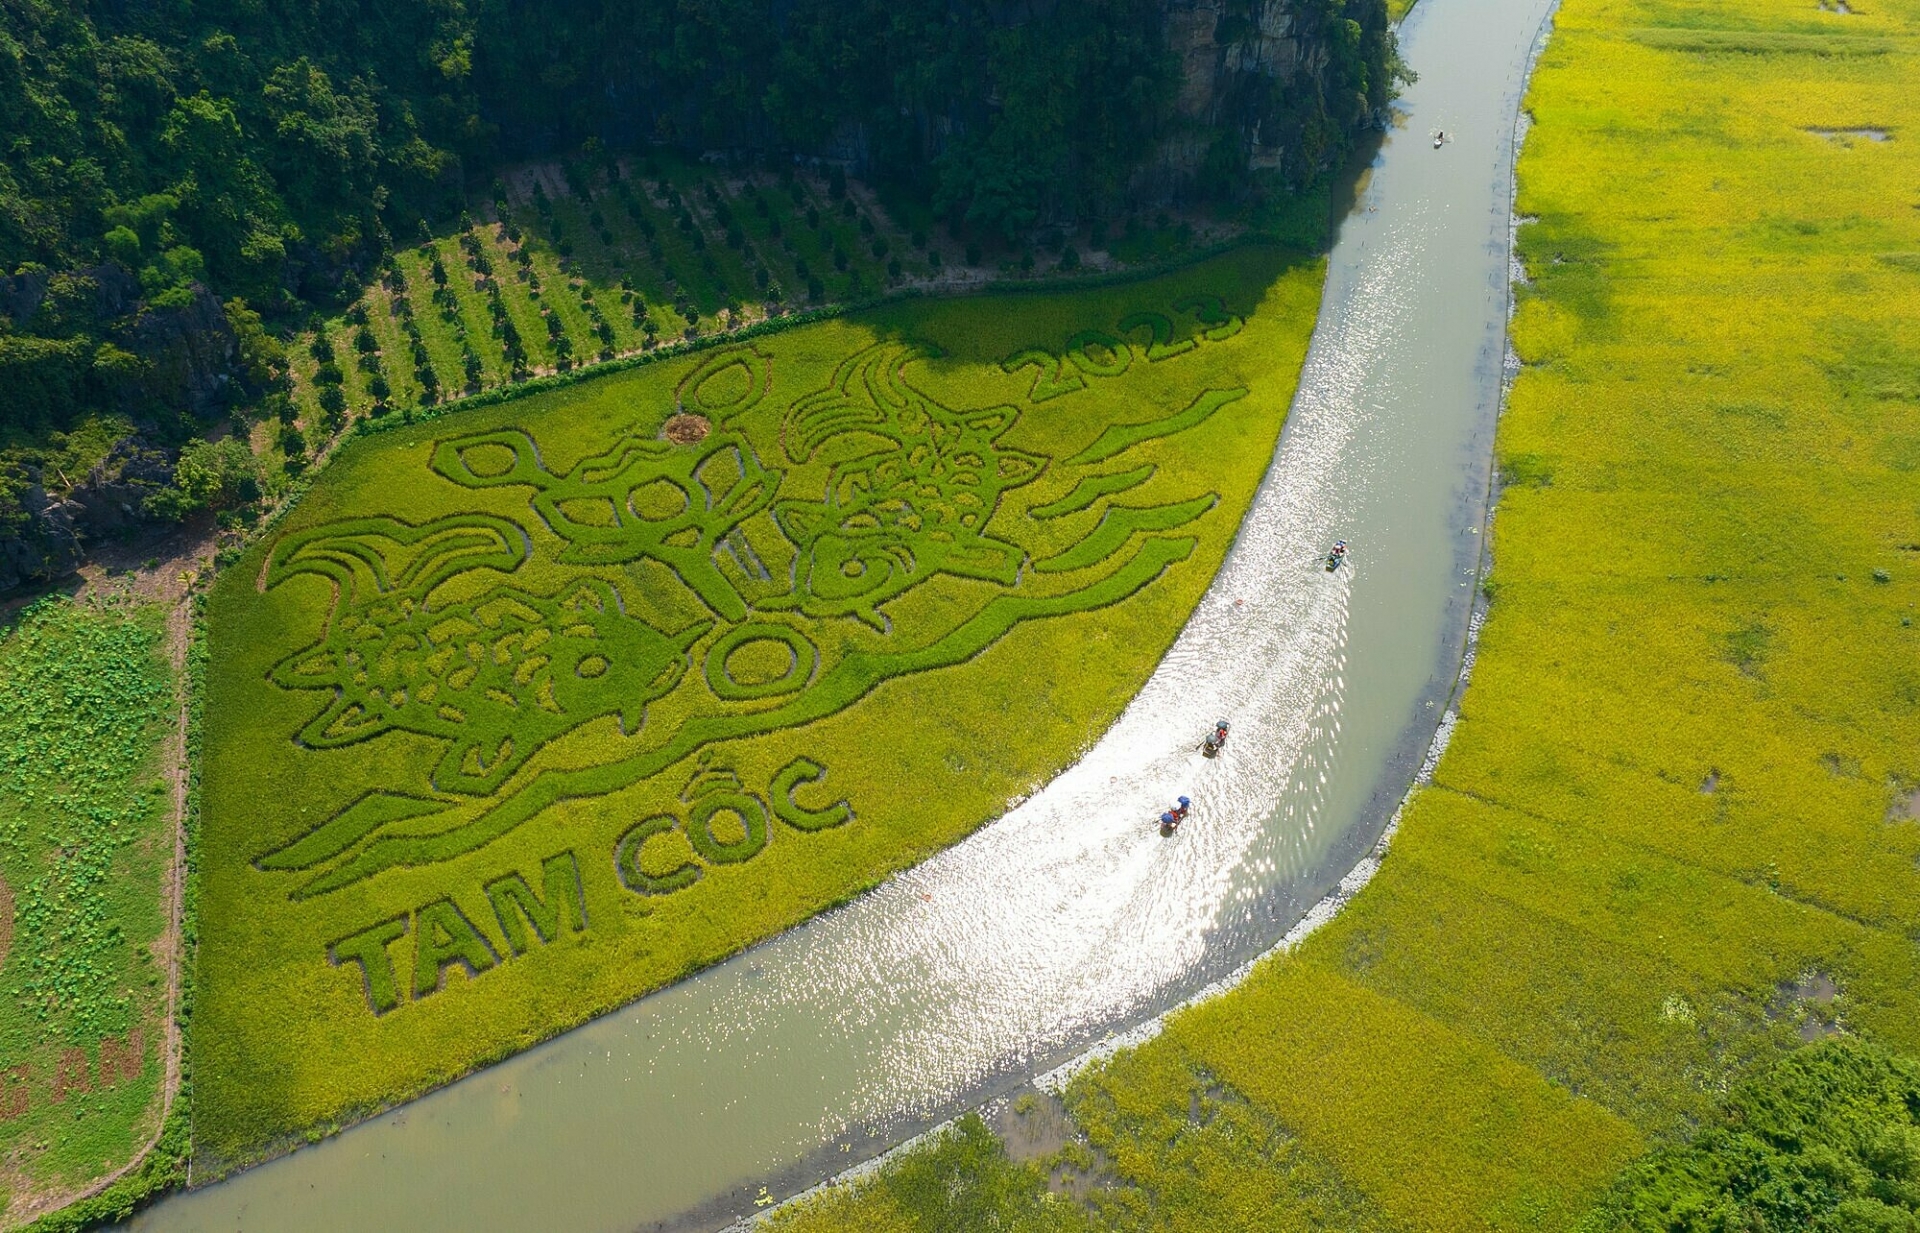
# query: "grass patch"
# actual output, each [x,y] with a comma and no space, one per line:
[527,710]
[962,1180]
[85,844]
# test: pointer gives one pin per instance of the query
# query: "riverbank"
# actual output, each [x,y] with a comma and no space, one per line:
[1674,833]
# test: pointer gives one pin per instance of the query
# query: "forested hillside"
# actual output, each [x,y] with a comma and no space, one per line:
[182,185]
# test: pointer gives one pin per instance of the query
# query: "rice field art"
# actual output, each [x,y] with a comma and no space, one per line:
[529,709]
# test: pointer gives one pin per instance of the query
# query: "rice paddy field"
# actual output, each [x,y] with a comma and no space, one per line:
[531,708]
[86,848]
[1674,837]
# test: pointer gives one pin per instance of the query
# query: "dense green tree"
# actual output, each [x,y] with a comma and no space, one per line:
[1828,1140]
[208,475]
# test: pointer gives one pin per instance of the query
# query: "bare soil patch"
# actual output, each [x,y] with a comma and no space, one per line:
[686,429]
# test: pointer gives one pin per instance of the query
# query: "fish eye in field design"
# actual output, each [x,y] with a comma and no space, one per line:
[432,634]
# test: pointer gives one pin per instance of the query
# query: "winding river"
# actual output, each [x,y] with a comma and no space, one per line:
[1069,918]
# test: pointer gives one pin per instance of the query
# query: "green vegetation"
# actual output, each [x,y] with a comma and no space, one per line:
[963,1180]
[524,711]
[85,846]
[1826,1140]
[1674,836]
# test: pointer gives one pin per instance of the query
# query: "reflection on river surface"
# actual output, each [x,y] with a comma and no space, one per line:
[1071,916]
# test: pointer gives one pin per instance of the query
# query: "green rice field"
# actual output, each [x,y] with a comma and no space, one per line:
[531,708]
[86,849]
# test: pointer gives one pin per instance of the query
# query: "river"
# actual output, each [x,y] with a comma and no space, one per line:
[1070,917]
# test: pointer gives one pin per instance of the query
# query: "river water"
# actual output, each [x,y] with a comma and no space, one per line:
[1070,917]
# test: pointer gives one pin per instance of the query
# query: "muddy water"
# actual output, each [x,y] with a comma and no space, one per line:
[1071,916]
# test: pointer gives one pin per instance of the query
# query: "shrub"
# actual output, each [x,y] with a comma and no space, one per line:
[1827,1140]
[216,475]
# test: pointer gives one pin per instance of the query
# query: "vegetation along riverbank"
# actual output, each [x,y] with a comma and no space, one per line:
[1673,839]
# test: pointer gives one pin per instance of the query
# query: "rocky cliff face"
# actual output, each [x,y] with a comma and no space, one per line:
[189,353]
[45,547]
[171,365]
[1263,88]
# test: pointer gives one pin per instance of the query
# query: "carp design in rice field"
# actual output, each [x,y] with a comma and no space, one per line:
[430,634]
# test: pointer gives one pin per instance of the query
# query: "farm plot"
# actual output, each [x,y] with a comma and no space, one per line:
[527,711]
[86,849]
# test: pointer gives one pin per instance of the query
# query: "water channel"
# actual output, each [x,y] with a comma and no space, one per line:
[1070,917]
